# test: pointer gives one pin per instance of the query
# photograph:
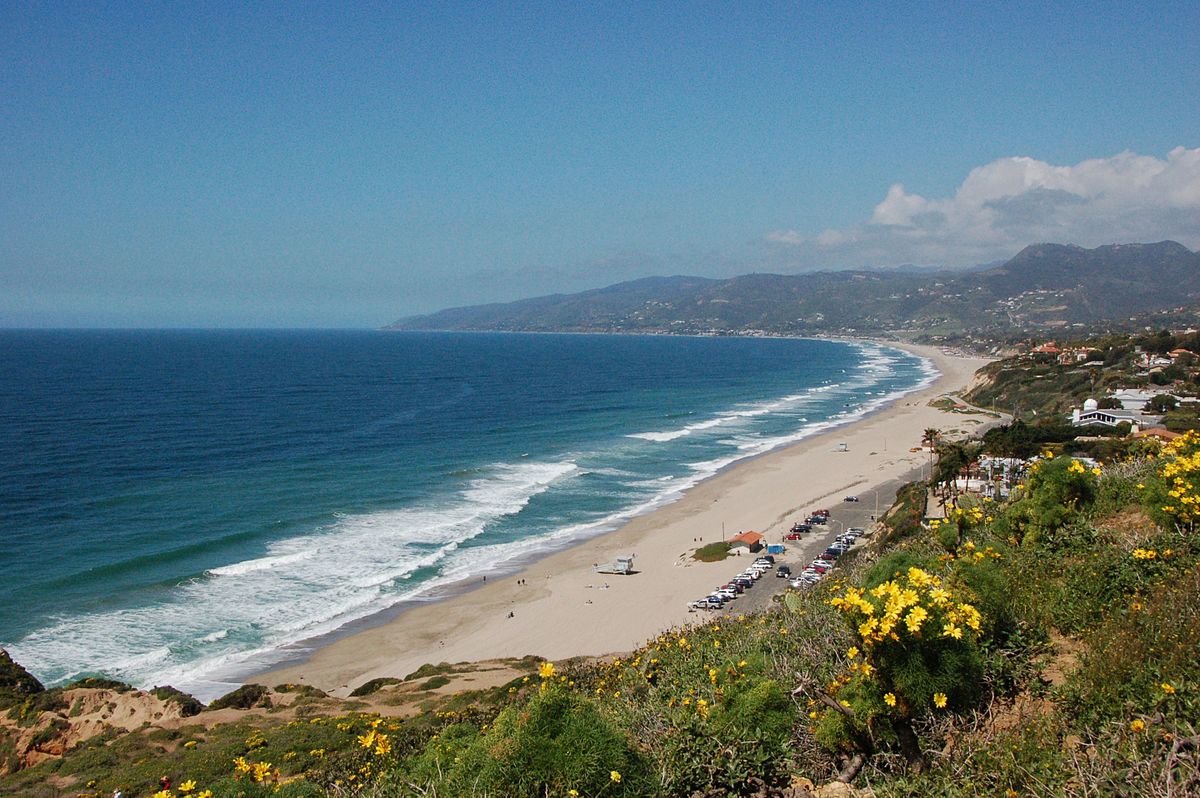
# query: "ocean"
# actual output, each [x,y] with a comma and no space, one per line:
[185,507]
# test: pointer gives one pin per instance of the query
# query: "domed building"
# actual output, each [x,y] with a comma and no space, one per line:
[1092,416]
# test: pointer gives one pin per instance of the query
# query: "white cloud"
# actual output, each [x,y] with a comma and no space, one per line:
[1006,204]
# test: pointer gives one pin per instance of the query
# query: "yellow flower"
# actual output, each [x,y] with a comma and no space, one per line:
[1168,688]
[939,700]
[164,794]
[614,776]
[240,765]
[382,745]
[1138,725]
[889,699]
[261,771]
[915,618]
[190,744]
[187,786]
[546,670]
[204,794]
[813,714]
[572,793]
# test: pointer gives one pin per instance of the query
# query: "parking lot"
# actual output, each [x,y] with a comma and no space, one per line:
[842,516]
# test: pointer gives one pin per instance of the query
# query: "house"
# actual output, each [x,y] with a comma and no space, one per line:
[1070,357]
[1175,354]
[747,541]
[1136,398]
[1046,349]
[1092,416]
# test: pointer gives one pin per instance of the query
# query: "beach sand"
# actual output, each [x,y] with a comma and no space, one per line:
[565,609]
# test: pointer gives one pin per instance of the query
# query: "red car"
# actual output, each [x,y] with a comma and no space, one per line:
[793,536]
[820,512]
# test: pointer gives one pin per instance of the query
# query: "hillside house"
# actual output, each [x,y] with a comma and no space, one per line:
[1092,416]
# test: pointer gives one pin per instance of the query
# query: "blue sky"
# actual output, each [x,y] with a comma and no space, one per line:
[334,165]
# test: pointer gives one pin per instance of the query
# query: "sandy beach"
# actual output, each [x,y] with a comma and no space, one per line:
[560,607]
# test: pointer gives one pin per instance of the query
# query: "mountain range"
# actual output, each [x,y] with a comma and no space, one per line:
[1045,287]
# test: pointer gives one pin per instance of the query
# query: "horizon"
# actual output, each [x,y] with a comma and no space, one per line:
[318,168]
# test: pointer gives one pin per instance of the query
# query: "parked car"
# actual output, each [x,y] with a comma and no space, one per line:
[783,572]
[850,499]
[824,513]
[832,552]
[818,519]
[793,536]
[766,558]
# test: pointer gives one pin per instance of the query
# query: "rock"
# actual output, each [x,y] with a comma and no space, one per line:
[835,789]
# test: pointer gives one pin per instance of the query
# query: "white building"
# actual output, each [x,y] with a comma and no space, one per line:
[1092,416]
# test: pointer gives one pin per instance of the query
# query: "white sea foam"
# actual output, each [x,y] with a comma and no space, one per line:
[739,414]
[303,587]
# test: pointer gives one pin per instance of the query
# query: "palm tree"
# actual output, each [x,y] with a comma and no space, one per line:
[930,439]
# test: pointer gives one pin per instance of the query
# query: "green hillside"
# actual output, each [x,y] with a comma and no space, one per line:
[1045,287]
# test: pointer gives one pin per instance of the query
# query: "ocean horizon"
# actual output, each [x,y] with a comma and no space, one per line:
[187,507]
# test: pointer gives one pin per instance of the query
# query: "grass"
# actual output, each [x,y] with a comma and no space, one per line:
[712,552]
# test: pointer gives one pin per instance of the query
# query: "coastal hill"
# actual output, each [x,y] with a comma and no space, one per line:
[1045,287]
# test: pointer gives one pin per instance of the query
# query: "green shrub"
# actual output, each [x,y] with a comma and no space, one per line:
[374,686]
[1145,642]
[1056,490]
[245,697]
[556,742]
[16,683]
[188,705]
[712,552]
[99,683]
[1025,760]
[301,690]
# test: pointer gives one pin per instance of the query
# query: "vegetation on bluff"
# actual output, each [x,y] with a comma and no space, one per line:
[1045,645]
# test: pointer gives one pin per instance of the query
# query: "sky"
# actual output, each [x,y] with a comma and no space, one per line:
[344,165]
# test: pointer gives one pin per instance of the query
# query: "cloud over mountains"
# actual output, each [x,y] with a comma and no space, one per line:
[1008,203]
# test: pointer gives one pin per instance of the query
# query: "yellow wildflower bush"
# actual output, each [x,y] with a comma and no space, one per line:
[915,653]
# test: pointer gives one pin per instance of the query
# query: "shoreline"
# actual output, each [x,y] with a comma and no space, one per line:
[555,606]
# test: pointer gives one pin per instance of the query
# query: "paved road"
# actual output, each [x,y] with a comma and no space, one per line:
[843,515]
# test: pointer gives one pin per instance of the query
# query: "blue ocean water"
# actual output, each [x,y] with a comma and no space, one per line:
[178,506]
